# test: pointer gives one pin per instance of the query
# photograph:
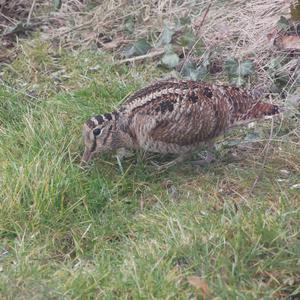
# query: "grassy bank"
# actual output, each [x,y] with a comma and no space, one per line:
[68,233]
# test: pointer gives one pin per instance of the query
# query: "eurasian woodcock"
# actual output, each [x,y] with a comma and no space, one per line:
[173,116]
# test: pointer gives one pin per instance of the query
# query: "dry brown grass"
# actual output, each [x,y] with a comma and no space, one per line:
[99,233]
[241,29]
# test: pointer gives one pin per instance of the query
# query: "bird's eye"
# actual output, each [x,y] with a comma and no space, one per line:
[96,131]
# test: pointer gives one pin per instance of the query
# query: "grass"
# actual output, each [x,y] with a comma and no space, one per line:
[68,233]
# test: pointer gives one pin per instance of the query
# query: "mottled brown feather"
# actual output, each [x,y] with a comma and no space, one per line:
[177,115]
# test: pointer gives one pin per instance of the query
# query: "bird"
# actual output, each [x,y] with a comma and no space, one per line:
[173,116]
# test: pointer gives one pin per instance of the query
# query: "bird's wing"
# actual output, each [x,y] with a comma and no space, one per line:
[187,125]
[187,112]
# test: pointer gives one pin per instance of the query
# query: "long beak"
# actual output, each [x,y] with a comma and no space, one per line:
[86,157]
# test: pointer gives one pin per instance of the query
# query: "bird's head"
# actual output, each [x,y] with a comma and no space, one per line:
[98,135]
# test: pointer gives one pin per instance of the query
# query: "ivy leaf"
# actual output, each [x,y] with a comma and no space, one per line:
[57,4]
[274,65]
[237,81]
[165,37]
[231,66]
[283,24]
[191,71]
[183,21]
[189,40]
[252,137]
[202,72]
[280,76]
[245,68]
[129,24]
[140,47]
[238,71]
[186,20]
[170,60]
[19,28]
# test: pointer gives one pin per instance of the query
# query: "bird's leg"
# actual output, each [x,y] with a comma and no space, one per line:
[203,162]
[179,159]
[210,157]
[121,154]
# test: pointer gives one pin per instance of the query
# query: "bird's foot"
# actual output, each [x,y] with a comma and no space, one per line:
[165,166]
[204,162]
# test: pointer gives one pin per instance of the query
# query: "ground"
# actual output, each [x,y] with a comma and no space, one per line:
[104,233]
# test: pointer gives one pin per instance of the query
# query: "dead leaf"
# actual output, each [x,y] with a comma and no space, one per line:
[288,42]
[113,44]
[199,284]
[272,35]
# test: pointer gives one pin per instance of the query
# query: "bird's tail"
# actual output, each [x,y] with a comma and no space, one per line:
[261,110]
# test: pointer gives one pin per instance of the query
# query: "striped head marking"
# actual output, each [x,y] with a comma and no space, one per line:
[97,134]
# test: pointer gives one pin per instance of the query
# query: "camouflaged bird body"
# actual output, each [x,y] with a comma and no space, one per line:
[176,116]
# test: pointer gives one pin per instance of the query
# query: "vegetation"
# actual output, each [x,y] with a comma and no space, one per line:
[108,233]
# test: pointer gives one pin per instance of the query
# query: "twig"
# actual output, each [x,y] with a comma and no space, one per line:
[266,150]
[30,12]
[72,29]
[22,28]
[8,18]
[155,53]
[198,32]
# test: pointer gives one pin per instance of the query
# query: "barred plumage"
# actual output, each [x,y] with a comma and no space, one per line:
[173,116]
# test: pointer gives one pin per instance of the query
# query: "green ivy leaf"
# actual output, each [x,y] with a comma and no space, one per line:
[279,74]
[238,71]
[186,20]
[283,24]
[245,68]
[165,37]
[57,4]
[188,39]
[140,47]
[129,24]
[20,27]
[231,65]
[252,137]
[170,60]
[202,72]
[274,65]
[237,81]
[191,71]
[183,21]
